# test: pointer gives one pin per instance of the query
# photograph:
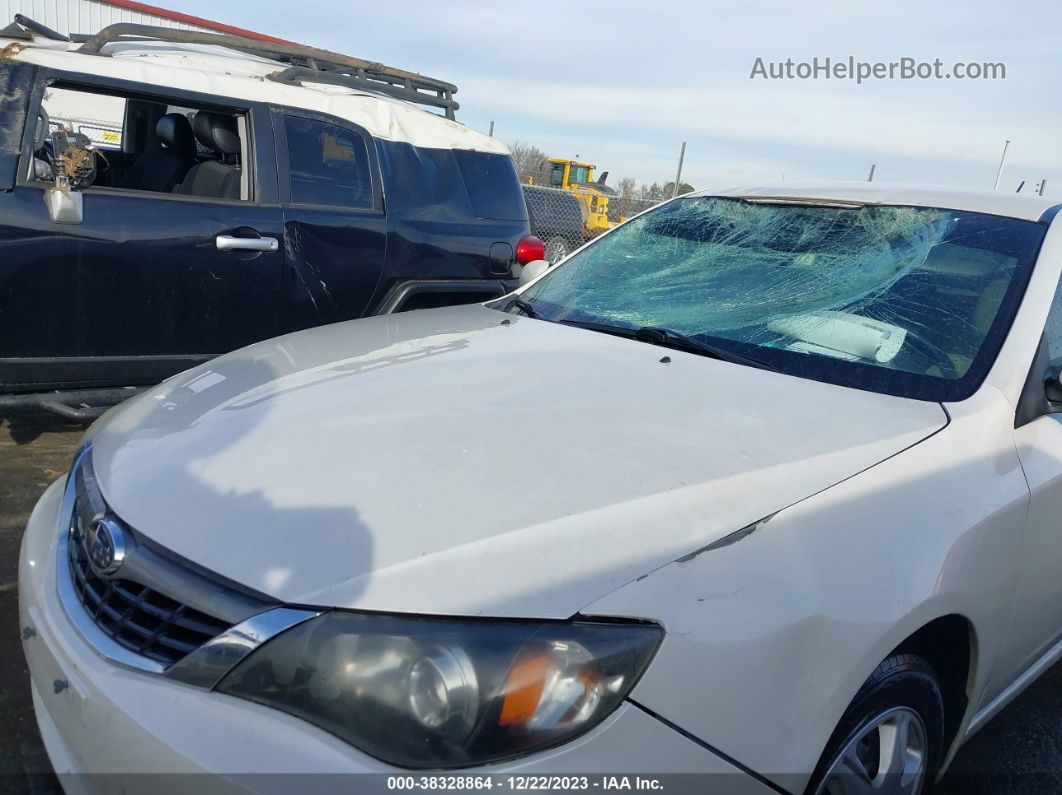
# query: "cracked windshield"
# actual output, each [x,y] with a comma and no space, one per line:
[901,300]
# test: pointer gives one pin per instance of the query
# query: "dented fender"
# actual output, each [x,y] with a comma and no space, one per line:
[782,621]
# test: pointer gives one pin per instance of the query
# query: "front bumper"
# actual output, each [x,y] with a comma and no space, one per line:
[102,723]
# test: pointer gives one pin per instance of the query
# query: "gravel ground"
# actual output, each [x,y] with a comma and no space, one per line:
[34,451]
[1018,752]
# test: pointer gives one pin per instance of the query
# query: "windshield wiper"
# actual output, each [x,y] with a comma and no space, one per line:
[525,307]
[601,328]
[667,338]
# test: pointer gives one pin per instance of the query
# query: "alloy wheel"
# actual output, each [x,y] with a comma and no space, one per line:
[556,250]
[886,757]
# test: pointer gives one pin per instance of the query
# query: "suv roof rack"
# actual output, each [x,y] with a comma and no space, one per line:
[305,64]
[23,25]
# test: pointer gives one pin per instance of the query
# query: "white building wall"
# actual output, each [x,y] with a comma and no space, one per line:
[81,16]
[99,117]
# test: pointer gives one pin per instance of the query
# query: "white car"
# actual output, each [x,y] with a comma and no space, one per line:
[762,484]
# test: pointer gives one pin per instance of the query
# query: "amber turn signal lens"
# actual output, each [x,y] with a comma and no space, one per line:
[523,688]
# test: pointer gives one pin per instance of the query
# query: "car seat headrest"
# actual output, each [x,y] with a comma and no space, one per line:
[217,132]
[175,132]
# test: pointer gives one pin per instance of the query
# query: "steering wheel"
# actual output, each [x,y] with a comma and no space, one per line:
[931,352]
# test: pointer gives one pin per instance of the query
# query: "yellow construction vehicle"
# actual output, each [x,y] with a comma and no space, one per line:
[578,179]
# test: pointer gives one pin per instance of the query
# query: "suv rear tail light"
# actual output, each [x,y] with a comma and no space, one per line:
[529,249]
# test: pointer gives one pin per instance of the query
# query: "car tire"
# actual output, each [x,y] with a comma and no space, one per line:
[892,733]
[557,248]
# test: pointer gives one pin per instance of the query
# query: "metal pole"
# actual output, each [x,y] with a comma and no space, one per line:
[872,167]
[491,133]
[999,171]
[678,174]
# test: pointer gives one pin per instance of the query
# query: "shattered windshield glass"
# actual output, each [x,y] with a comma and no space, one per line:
[902,300]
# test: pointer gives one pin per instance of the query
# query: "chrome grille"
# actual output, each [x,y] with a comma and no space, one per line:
[139,618]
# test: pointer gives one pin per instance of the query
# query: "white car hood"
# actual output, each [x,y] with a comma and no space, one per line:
[464,461]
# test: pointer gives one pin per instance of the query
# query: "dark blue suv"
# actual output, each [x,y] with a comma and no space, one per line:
[160,205]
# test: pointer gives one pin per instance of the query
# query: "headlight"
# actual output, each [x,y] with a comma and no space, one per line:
[430,692]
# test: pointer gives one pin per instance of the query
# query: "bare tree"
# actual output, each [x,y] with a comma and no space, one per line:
[529,160]
[652,192]
[627,187]
[669,188]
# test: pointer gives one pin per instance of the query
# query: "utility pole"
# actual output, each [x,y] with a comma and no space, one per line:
[999,171]
[678,174]
[491,133]
[872,167]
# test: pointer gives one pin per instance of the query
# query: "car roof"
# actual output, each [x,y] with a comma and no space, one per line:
[1028,207]
[208,69]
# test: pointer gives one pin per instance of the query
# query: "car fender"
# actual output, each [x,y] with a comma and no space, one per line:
[770,637]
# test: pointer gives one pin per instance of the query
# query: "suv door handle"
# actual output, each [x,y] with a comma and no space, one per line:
[230,243]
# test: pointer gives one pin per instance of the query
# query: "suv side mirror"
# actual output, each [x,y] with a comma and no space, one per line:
[533,270]
[64,205]
[1053,384]
[73,167]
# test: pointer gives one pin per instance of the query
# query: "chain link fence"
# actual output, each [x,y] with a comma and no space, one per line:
[565,219]
[105,134]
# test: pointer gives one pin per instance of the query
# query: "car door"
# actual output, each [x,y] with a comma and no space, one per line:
[335,230]
[1036,625]
[149,282]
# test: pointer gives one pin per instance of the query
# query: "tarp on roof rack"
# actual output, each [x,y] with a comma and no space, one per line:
[305,63]
[16,82]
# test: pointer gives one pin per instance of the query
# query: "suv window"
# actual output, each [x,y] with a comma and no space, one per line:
[328,164]
[1053,329]
[98,116]
[148,144]
[492,185]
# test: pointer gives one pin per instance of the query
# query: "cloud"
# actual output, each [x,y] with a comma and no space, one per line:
[869,124]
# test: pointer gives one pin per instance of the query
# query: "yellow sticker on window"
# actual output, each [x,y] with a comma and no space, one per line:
[334,149]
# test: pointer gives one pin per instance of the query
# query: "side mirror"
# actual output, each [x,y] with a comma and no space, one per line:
[533,270]
[64,205]
[73,167]
[1053,384]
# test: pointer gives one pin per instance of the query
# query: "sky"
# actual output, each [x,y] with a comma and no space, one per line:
[623,84]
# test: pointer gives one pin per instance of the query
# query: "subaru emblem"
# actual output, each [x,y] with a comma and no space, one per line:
[105,545]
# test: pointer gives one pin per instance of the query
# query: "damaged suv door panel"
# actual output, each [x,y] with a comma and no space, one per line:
[335,230]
